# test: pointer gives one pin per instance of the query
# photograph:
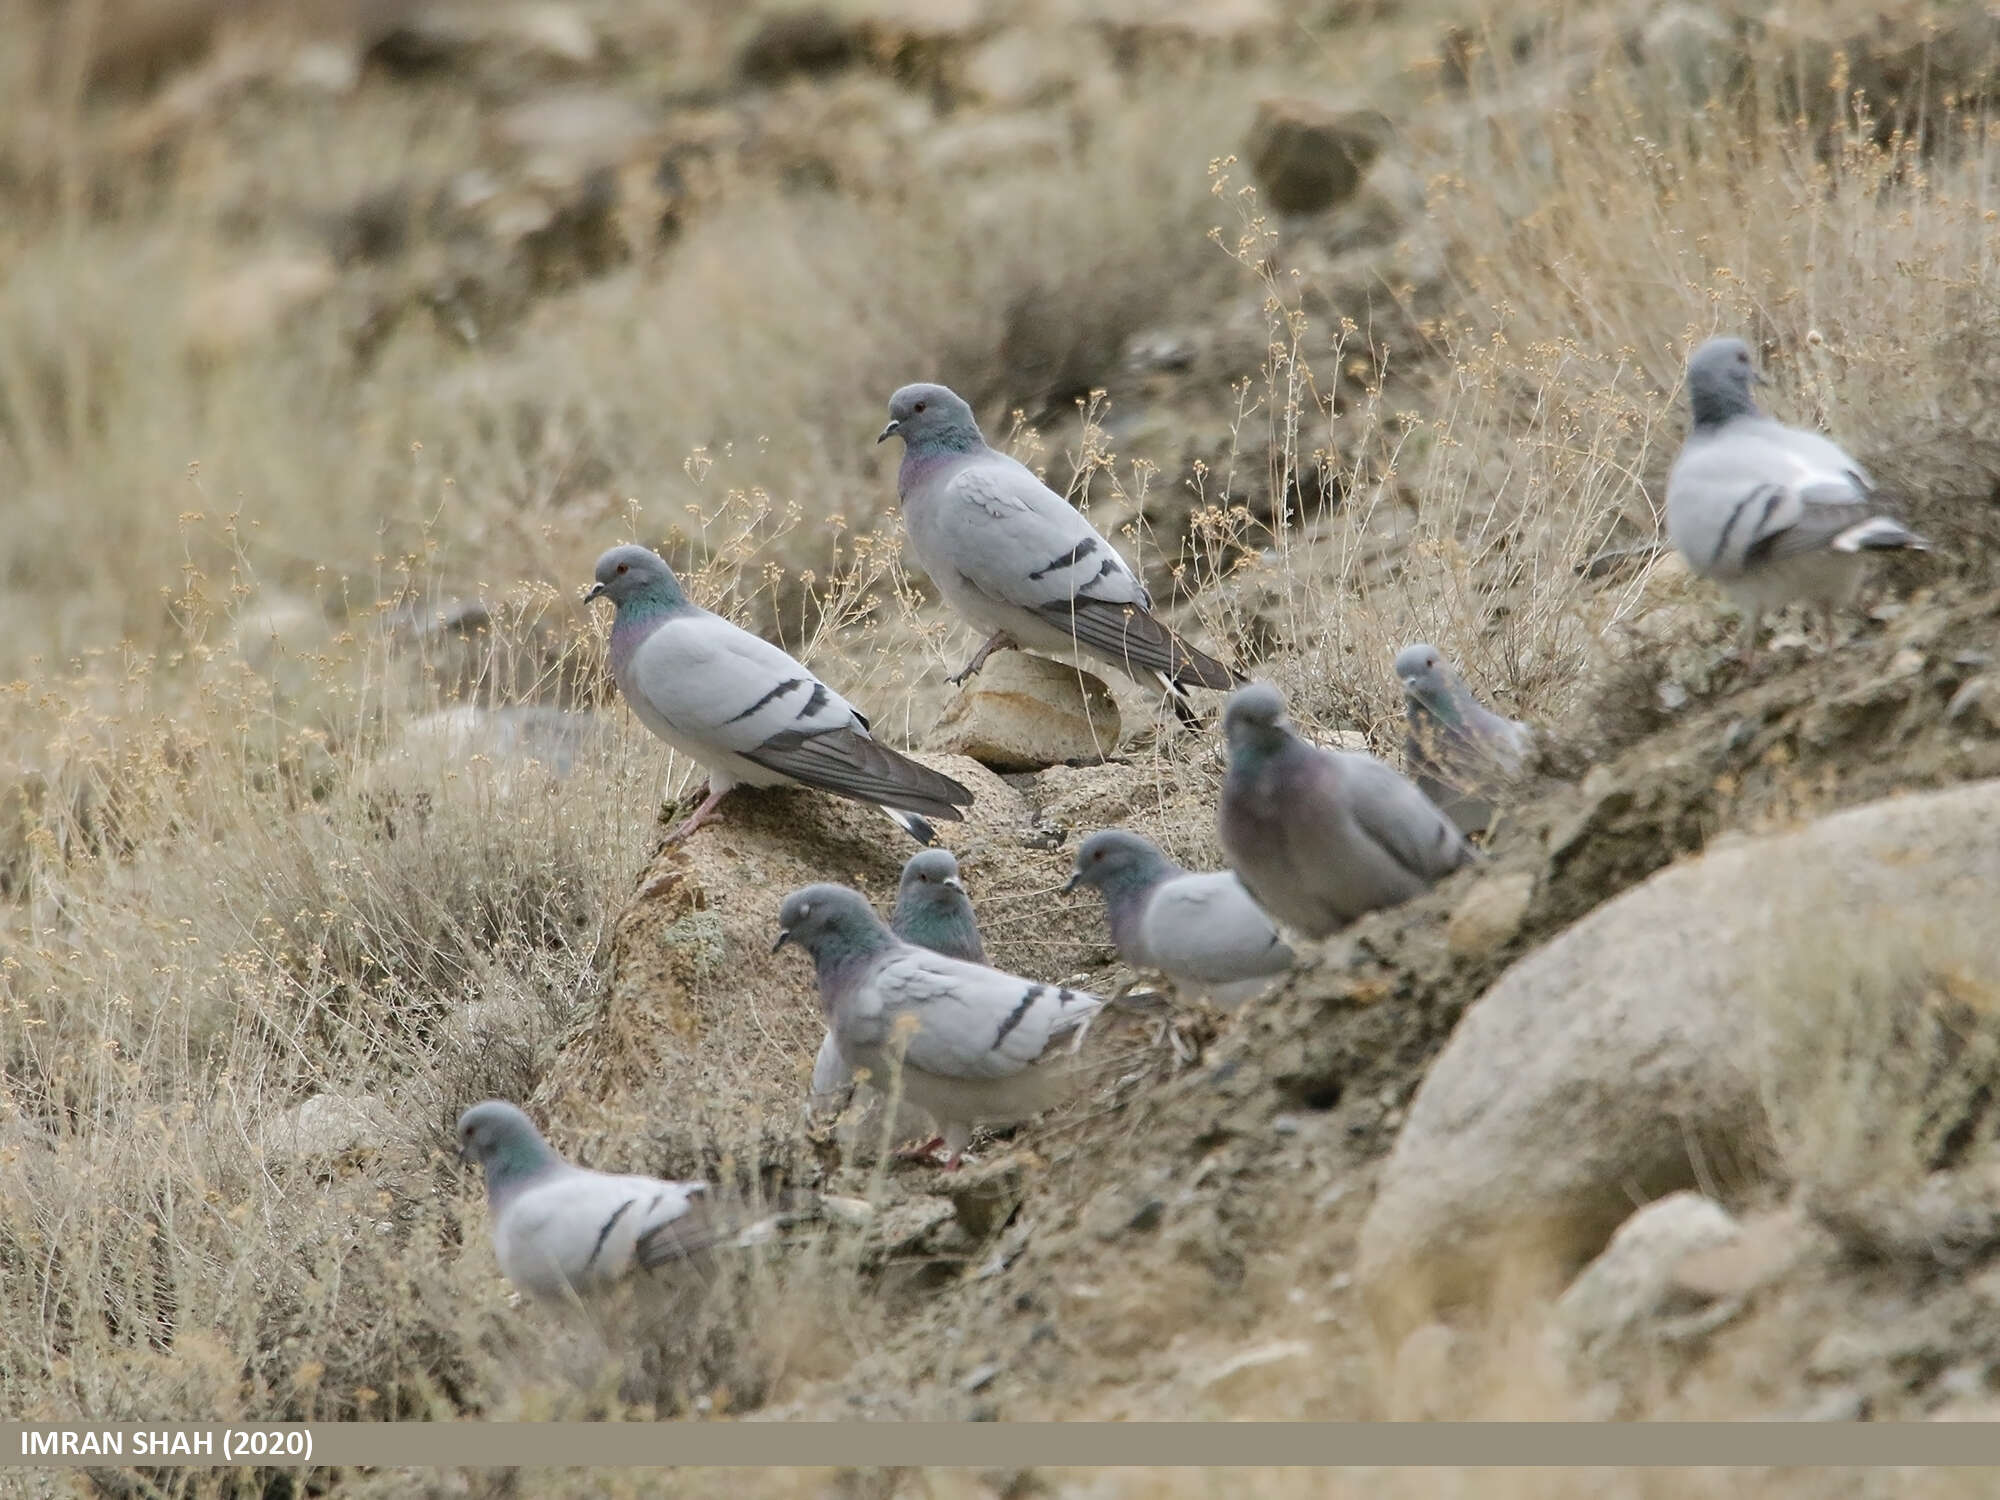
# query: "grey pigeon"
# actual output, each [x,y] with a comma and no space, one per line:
[561,1230]
[1322,836]
[1462,753]
[932,911]
[745,709]
[1771,513]
[1204,932]
[973,1045]
[1018,561]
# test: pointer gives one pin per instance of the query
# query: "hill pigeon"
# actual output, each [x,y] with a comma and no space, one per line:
[1017,560]
[1204,932]
[1322,836]
[561,1230]
[745,709]
[932,911]
[1771,513]
[1461,752]
[973,1045]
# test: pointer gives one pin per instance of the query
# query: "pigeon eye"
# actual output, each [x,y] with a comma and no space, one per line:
[622,567]
[919,406]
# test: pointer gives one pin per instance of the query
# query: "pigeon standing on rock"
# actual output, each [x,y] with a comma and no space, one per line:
[932,911]
[1461,752]
[1018,561]
[1204,932]
[561,1230]
[968,1044]
[1322,836]
[1773,514]
[745,709]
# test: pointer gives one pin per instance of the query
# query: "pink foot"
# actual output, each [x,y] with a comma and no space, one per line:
[919,1153]
[700,817]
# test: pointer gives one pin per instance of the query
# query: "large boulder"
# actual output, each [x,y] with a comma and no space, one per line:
[1621,1061]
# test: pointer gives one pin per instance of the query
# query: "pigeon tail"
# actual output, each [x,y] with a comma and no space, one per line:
[1879,534]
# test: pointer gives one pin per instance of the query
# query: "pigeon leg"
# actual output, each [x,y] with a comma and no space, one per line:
[1746,643]
[956,1138]
[925,1152]
[704,814]
[998,641]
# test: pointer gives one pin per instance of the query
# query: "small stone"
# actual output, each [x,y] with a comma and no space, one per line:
[1672,696]
[1972,704]
[557,33]
[1764,1249]
[1490,916]
[1630,1282]
[1251,1367]
[1844,1405]
[985,1197]
[980,1378]
[1307,157]
[1026,713]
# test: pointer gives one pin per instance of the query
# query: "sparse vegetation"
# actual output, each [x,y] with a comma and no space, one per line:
[281,506]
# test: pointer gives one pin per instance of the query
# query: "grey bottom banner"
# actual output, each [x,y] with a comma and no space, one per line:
[970,1444]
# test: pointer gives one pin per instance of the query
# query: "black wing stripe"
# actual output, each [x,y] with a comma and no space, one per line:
[1017,1015]
[605,1233]
[1735,515]
[777,692]
[1075,555]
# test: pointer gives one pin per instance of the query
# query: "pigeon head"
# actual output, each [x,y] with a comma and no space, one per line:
[505,1143]
[637,577]
[1428,680]
[931,875]
[831,922]
[1719,376]
[931,418]
[1254,719]
[1118,862]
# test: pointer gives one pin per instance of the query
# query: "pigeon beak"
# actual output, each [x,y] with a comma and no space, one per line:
[1075,879]
[888,432]
[954,882]
[784,937]
[1759,377]
[595,591]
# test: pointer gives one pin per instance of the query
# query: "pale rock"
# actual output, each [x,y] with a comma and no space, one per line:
[1578,1079]
[1632,1281]
[1024,713]
[1490,915]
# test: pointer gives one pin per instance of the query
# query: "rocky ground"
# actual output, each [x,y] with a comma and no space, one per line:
[1678,1104]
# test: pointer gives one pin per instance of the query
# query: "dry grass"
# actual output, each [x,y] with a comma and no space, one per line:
[224,901]
[1881,1053]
